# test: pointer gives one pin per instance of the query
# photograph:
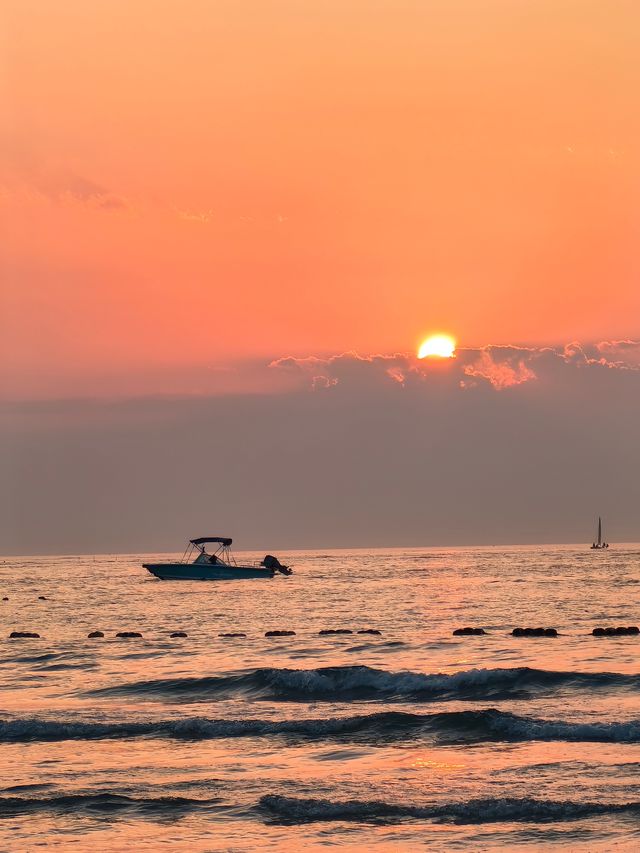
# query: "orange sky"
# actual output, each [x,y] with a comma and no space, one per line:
[193,182]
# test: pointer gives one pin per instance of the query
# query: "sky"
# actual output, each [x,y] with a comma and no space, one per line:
[227,225]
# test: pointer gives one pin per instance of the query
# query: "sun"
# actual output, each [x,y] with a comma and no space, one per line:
[440,346]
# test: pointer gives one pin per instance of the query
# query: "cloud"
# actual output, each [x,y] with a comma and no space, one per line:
[202,216]
[67,186]
[501,374]
[350,367]
[497,367]
[23,169]
[625,354]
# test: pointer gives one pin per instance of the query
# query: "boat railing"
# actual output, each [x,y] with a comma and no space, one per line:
[231,561]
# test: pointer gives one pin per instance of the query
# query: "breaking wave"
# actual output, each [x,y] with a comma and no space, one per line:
[345,683]
[103,803]
[293,810]
[489,724]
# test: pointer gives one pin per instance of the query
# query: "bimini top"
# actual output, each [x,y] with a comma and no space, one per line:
[204,539]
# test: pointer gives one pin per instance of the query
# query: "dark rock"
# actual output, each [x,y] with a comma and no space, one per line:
[517,632]
[5,598]
[42,598]
[128,634]
[280,633]
[550,632]
[178,634]
[468,632]
[238,634]
[370,631]
[94,634]
[15,635]
[620,631]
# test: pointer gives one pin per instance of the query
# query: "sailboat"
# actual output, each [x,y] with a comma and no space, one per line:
[599,545]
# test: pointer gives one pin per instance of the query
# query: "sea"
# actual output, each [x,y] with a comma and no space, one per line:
[408,739]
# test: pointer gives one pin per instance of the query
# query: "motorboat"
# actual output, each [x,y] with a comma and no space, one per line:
[198,563]
[600,544]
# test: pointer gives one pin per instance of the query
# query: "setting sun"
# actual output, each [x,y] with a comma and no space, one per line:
[441,346]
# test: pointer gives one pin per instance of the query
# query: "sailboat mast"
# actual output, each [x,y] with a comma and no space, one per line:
[599,531]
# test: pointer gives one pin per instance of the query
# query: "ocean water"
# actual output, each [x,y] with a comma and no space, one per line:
[411,739]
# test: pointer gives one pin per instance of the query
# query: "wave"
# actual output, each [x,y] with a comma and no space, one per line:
[449,727]
[345,683]
[293,810]
[103,803]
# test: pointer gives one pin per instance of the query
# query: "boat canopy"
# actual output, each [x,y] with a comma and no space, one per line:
[202,540]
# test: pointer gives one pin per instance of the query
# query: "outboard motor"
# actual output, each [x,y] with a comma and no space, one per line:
[271,562]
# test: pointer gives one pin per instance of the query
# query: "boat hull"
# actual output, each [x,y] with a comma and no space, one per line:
[204,572]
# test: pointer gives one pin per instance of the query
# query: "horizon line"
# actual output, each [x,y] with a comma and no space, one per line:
[472,546]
